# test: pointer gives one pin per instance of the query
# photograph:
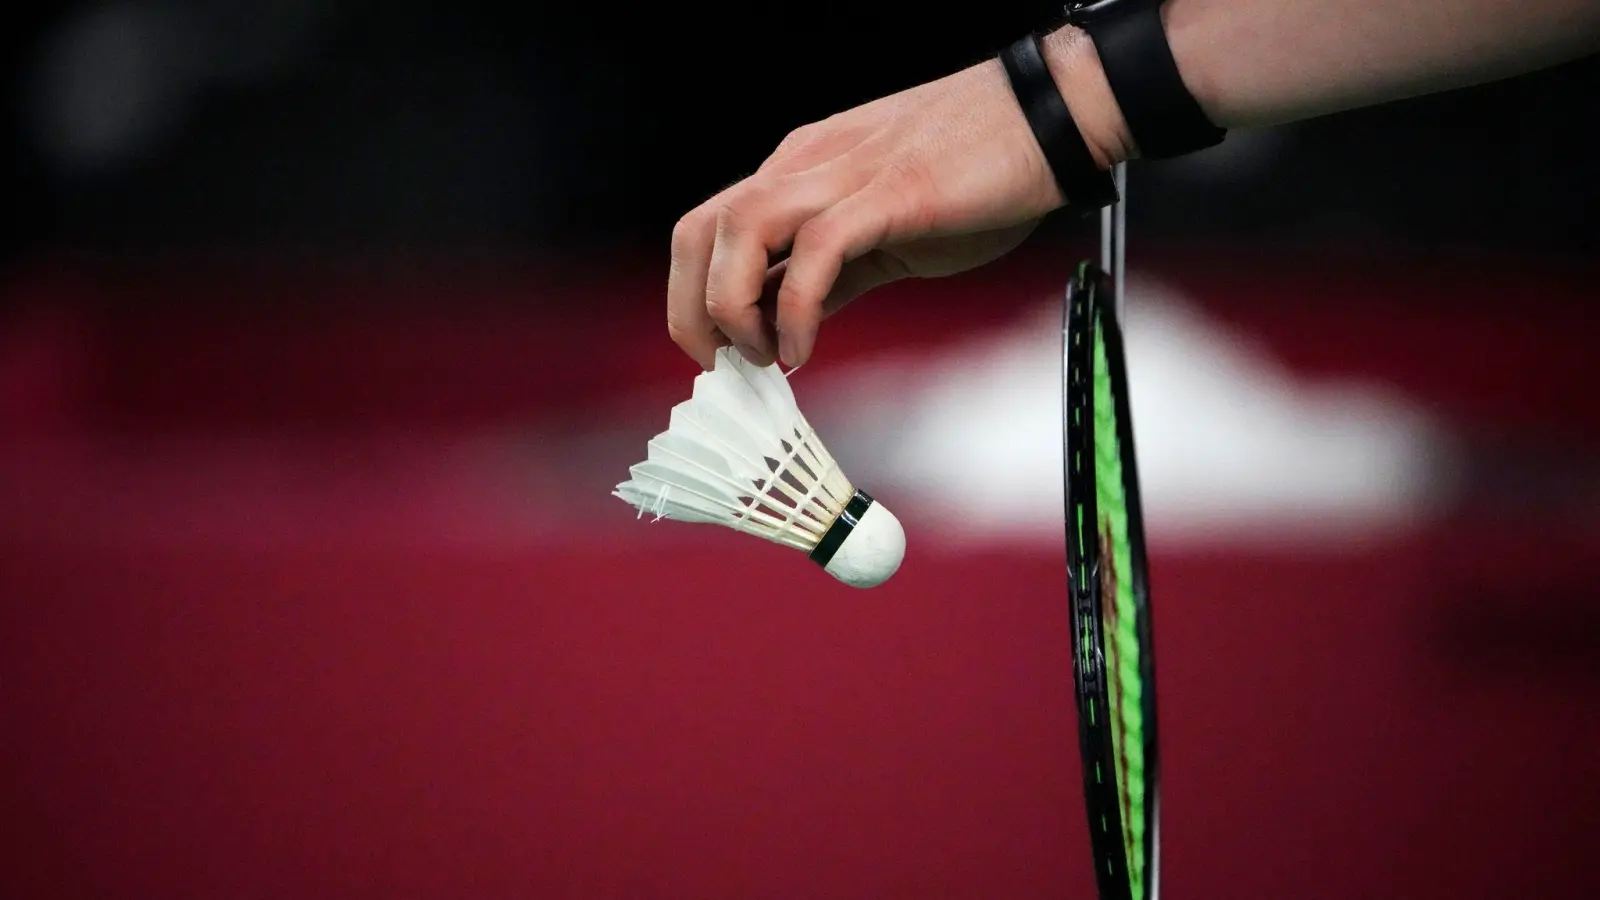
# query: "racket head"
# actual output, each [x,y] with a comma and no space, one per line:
[1108,587]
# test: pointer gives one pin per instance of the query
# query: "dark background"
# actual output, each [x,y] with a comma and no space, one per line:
[326,327]
[357,124]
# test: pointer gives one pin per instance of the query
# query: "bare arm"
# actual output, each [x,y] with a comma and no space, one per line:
[947,176]
[1266,62]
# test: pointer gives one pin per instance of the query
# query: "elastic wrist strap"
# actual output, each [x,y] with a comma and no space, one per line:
[1164,119]
[1085,186]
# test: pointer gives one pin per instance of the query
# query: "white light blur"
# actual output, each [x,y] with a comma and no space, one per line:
[1232,446]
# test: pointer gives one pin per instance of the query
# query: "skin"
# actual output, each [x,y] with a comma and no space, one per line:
[947,176]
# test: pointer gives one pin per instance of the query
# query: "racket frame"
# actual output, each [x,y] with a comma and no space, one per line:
[1095,296]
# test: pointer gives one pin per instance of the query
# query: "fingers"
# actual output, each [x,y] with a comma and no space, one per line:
[748,237]
[688,322]
[721,256]
[827,265]
[734,277]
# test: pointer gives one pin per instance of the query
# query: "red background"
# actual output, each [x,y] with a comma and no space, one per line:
[272,627]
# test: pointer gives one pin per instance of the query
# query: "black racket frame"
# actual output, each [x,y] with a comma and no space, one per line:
[1090,299]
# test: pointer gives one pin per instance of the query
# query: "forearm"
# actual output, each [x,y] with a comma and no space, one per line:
[1265,62]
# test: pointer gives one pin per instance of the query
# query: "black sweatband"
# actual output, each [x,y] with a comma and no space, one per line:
[1085,186]
[833,538]
[1164,119]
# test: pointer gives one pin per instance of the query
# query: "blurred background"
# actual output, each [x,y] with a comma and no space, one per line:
[327,327]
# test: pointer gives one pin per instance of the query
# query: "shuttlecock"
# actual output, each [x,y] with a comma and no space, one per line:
[738,453]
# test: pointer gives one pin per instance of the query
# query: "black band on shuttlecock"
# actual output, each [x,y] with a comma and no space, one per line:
[833,538]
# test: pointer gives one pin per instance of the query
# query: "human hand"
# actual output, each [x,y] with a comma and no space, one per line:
[935,180]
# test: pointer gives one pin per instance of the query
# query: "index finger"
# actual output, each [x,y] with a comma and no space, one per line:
[688,321]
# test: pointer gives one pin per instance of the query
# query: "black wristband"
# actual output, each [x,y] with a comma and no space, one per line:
[1164,120]
[1085,185]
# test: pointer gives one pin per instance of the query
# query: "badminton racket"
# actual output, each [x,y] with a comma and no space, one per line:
[1113,662]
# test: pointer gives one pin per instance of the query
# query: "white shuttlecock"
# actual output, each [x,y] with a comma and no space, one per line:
[738,453]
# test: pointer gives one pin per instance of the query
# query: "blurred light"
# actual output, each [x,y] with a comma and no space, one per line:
[1232,446]
[115,82]
[111,84]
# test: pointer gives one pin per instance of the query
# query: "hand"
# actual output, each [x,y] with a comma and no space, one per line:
[931,181]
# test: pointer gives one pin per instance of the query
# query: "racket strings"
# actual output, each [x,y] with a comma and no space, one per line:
[1125,687]
[1105,539]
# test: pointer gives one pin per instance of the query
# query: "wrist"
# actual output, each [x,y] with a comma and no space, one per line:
[1075,65]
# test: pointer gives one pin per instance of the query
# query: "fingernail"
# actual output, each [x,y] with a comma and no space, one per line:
[754,356]
[786,349]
